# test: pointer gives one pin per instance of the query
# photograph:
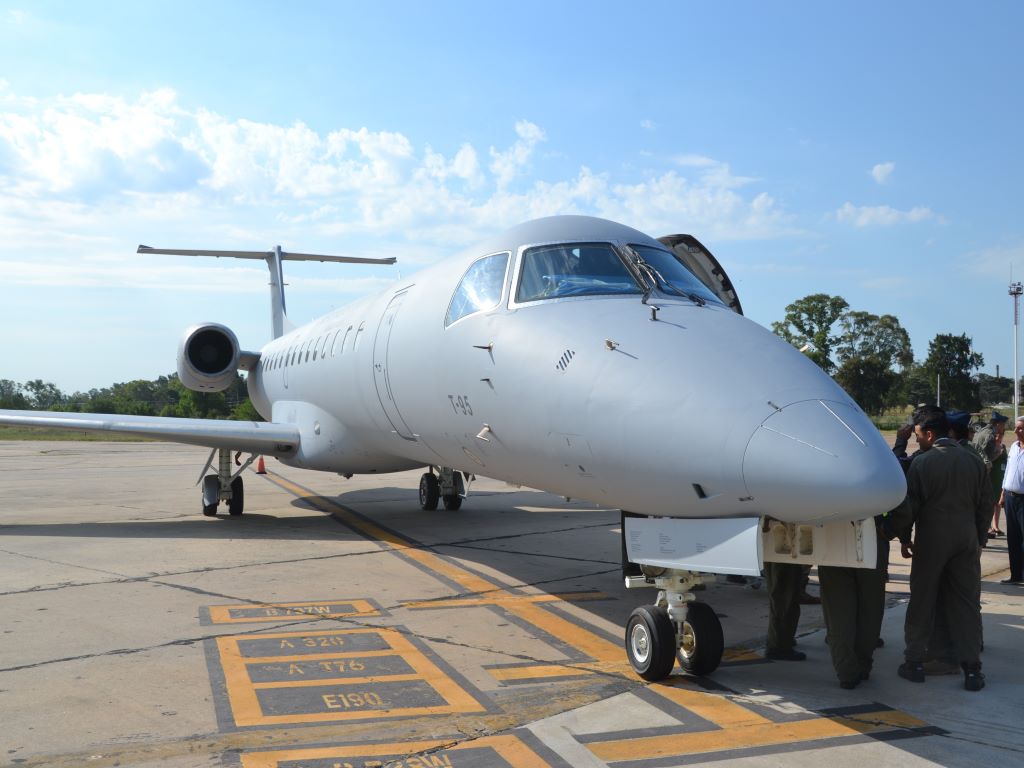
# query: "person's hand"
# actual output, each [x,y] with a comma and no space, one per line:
[904,432]
[907,550]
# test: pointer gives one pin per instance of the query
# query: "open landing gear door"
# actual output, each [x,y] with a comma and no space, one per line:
[699,260]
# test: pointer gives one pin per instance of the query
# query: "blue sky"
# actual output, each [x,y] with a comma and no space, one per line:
[867,150]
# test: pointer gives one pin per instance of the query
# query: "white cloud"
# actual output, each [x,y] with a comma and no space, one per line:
[694,161]
[881,215]
[882,171]
[510,163]
[92,173]
[999,261]
[648,125]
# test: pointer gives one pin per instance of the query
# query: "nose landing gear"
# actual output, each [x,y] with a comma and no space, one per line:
[676,626]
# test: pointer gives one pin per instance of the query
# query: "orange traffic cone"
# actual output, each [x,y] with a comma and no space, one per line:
[261,468]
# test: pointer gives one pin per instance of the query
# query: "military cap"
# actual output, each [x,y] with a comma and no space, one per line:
[962,418]
[998,418]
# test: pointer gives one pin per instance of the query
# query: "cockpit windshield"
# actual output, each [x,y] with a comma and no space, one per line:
[669,269]
[574,269]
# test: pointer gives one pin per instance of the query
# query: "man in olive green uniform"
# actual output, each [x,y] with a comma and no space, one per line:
[941,650]
[784,584]
[988,441]
[948,493]
[853,602]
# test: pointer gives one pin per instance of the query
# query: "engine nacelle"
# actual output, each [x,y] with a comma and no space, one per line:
[208,357]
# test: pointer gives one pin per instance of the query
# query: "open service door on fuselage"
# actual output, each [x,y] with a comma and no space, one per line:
[698,259]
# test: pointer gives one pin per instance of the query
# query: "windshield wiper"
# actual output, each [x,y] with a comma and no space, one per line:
[658,280]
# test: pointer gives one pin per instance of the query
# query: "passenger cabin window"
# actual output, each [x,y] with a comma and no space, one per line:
[480,288]
[670,269]
[573,269]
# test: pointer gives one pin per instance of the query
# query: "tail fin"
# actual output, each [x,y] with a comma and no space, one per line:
[278,314]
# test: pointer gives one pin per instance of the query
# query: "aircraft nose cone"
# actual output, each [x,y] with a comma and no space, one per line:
[816,460]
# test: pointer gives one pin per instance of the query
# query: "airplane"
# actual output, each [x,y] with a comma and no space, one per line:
[577,356]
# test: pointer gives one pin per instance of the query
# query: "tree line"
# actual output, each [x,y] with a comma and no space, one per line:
[871,358]
[166,396]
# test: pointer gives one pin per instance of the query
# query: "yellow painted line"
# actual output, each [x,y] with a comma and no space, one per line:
[221,614]
[502,598]
[768,734]
[322,681]
[249,660]
[464,578]
[710,706]
[507,746]
[586,642]
[458,698]
[741,654]
[581,639]
[537,671]
[889,718]
[244,701]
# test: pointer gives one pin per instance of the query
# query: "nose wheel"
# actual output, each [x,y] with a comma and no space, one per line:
[701,641]
[675,627]
[651,642]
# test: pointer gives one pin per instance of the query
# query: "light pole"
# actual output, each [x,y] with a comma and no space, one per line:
[1016,289]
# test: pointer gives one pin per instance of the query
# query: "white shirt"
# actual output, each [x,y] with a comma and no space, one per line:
[1013,480]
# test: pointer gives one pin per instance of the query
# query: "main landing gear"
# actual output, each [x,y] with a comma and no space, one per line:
[224,486]
[447,486]
[676,626]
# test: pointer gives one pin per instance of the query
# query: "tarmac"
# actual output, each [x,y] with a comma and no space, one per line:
[337,624]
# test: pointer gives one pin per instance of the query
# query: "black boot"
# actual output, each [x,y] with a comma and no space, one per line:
[912,671]
[973,679]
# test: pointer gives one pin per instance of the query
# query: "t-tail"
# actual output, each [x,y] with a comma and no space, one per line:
[279,323]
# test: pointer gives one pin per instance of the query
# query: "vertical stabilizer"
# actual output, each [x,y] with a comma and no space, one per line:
[279,324]
[278,310]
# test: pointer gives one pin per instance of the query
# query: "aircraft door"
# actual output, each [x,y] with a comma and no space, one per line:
[698,259]
[381,377]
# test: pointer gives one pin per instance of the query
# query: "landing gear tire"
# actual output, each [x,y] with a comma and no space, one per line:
[651,642]
[430,491]
[237,501]
[702,642]
[452,503]
[210,510]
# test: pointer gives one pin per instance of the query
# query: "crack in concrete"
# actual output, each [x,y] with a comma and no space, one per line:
[122,578]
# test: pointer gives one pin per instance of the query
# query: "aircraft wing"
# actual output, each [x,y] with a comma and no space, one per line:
[250,436]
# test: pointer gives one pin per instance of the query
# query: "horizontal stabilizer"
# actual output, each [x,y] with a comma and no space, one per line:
[285,255]
[249,436]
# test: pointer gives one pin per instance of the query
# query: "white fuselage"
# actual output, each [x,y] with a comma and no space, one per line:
[698,413]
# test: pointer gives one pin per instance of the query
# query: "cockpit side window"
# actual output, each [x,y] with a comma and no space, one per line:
[480,288]
[669,268]
[573,269]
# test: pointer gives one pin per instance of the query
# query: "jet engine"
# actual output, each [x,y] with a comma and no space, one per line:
[208,357]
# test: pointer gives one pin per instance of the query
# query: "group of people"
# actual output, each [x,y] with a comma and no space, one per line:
[958,481]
